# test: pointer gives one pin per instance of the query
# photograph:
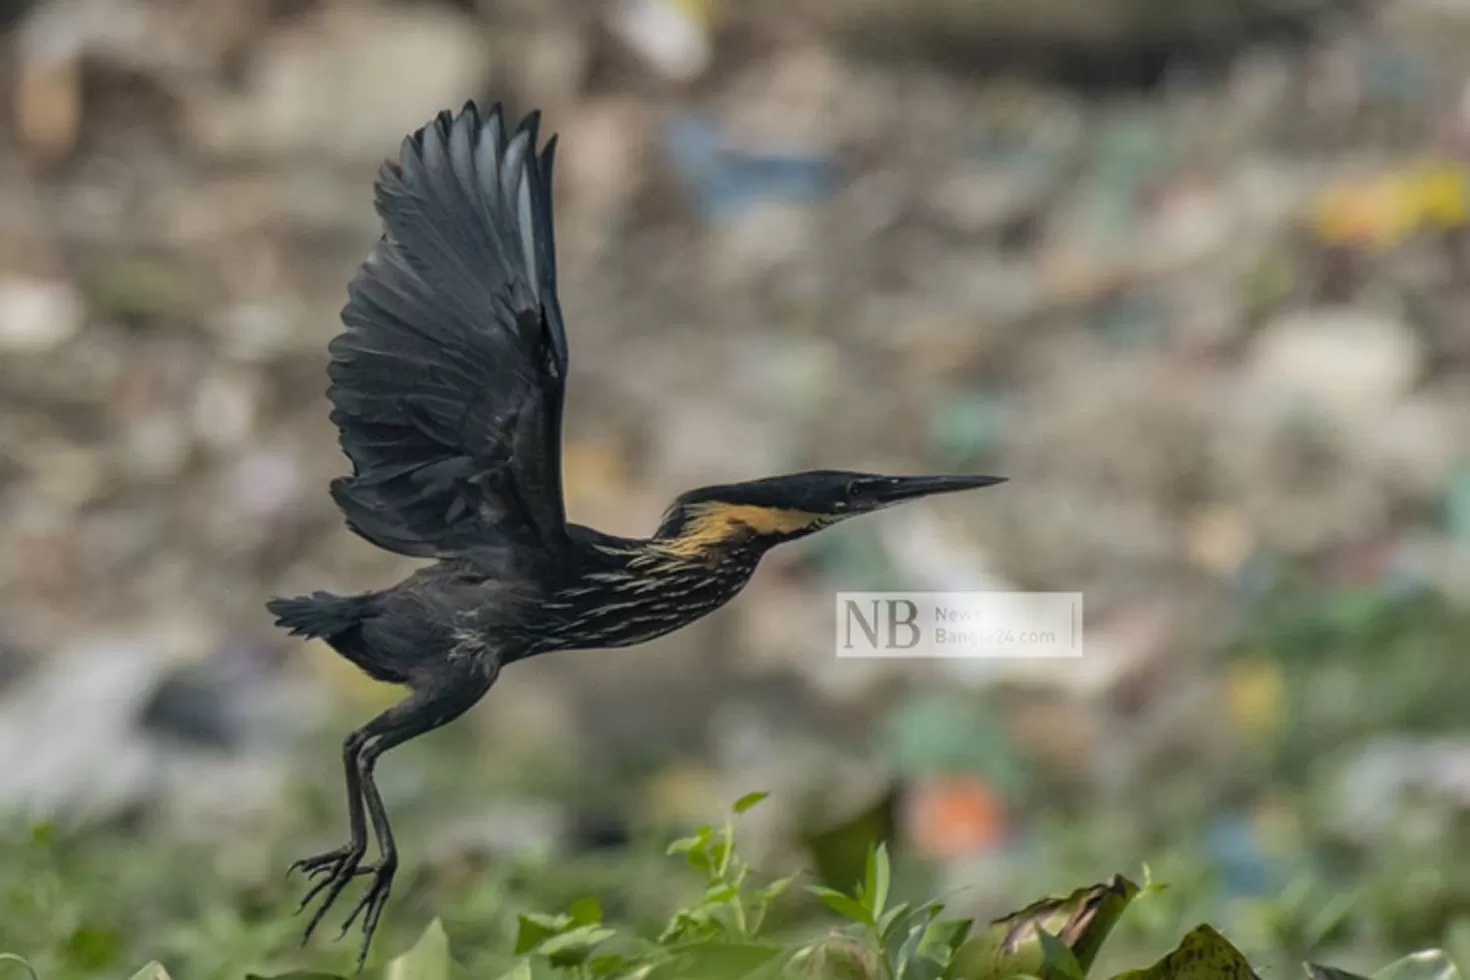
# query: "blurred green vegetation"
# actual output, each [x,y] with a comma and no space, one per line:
[1303,876]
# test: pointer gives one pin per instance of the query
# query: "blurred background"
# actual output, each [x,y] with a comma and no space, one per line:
[1194,275]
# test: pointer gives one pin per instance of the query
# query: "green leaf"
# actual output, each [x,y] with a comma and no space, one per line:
[296,975]
[1203,954]
[1316,971]
[1427,964]
[686,844]
[748,802]
[716,961]
[575,945]
[773,891]
[844,905]
[942,938]
[585,911]
[612,965]
[427,960]
[719,853]
[534,928]
[875,884]
[908,953]
[1058,958]
[26,966]
[92,947]
[1081,921]
[892,919]
[521,971]
[152,971]
[720,893]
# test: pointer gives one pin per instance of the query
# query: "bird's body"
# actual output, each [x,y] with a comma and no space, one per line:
[446,388]
[612,592]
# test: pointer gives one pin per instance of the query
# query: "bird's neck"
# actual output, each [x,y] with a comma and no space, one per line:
[629,590]
[719,531]
[666,552]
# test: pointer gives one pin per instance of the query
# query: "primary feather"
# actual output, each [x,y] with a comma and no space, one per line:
[447,384]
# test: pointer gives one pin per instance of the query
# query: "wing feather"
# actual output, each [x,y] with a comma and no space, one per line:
[448,379]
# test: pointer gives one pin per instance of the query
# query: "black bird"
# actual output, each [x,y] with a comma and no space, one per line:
[447,388]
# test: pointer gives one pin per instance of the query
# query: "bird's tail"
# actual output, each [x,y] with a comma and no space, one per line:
[319,614]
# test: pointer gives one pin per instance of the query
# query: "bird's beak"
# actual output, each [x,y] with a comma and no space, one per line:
[896,489]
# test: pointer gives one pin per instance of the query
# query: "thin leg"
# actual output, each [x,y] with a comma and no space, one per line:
[314,866]
[423,711]
[370,906]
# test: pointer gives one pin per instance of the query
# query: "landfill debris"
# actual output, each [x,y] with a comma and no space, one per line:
[37,315]
[1213,331]
[672,36]
[726,179]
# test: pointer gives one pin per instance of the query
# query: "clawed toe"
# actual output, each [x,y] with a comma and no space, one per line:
[370,906]
[331,873]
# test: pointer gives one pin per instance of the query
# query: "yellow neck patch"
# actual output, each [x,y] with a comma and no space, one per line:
[711,524]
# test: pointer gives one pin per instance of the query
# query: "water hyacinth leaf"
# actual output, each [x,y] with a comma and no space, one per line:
[1427,964]
[1203,954]
[1080,922]
[427,960]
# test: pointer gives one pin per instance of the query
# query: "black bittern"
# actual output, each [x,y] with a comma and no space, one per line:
[446,389]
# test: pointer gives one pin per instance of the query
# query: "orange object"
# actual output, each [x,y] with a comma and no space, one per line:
[955,816]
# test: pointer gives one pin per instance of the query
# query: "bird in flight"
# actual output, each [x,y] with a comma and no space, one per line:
[446,389]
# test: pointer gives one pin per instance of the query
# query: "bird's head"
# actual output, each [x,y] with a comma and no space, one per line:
[761,513]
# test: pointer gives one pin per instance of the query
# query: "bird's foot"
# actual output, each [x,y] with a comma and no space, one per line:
[324,863]
[336,869]
[370,906]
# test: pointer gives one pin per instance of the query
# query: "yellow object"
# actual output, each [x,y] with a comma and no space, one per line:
[1386,209]
[1256,694]
[699,11]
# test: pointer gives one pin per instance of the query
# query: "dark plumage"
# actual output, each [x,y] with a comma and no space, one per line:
[446,388]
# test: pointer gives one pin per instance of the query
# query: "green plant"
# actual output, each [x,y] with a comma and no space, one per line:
[723,935]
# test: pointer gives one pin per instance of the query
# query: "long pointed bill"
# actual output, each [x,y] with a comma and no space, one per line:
[895,489]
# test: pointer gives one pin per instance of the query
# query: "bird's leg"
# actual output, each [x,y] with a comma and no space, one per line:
[370,906]
[357,843]
[338,867]
[424,710]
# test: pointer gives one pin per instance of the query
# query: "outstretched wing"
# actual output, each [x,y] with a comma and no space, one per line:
[447,383]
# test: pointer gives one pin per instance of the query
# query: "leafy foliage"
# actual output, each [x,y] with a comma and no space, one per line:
[722,936]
